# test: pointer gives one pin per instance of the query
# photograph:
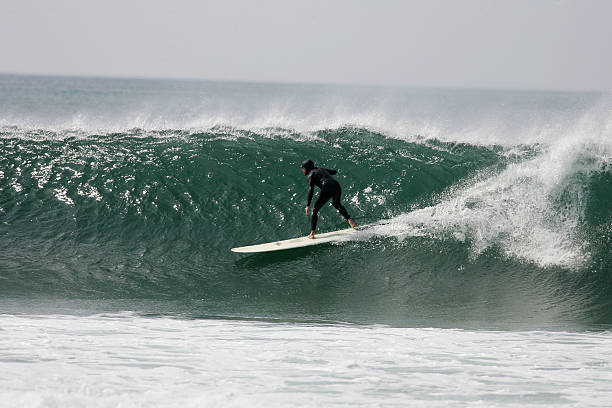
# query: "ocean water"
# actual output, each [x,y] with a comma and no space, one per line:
[485,280]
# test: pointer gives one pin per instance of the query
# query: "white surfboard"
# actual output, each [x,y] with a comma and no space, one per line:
[333,236]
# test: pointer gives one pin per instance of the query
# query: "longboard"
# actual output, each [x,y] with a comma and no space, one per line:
[333,236]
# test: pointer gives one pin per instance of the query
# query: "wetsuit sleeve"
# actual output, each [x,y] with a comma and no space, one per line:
[332,172]
[310,191]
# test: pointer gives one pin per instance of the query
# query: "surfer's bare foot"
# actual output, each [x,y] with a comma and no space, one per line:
[311,236]
[352,223]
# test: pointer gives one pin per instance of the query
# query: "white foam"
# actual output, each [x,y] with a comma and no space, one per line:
[128,361]
[531,210]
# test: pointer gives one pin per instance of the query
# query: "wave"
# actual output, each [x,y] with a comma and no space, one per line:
[154,213]
[495,204]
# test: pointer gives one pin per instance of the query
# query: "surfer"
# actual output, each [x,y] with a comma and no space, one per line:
[330,188]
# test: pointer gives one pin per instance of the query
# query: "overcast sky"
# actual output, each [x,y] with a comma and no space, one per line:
[527,44]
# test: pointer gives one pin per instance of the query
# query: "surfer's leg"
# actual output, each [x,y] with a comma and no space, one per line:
[338,206]
[323,198]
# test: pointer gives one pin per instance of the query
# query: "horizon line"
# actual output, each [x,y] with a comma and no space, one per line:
[304,82]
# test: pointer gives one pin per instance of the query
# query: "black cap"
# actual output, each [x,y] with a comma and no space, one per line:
[308,165]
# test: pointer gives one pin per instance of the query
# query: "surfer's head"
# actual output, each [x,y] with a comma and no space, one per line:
[307,165]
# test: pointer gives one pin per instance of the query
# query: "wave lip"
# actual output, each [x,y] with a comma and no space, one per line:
[476,117]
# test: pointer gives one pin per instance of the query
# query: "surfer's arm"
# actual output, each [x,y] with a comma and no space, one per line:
[331,171]
[310,192]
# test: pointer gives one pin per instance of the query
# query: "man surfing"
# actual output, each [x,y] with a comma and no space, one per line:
[330,188]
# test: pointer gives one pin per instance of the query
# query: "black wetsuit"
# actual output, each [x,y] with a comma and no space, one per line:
[330,188]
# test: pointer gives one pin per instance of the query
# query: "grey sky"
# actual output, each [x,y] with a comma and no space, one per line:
[542,44]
